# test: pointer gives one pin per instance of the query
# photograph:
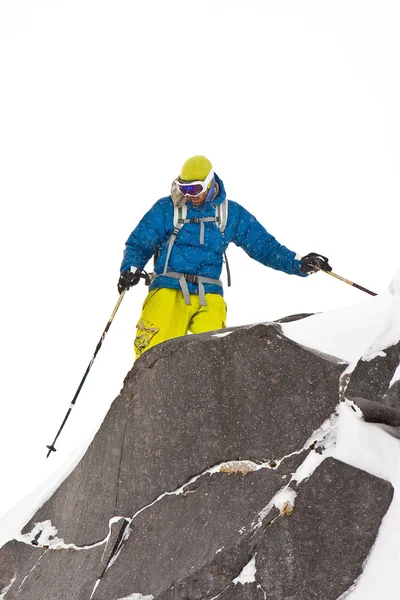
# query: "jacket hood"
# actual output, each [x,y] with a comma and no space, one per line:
[216,195]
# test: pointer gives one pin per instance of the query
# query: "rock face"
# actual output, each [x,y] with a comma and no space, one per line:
[208,479]
[372,378]
[374,385]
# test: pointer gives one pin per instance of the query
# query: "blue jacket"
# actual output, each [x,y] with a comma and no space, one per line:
[189,256]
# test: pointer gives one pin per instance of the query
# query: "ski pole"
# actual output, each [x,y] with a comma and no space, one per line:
[51,447]
[359,287]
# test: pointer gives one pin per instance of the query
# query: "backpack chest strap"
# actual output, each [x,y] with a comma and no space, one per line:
[201,221]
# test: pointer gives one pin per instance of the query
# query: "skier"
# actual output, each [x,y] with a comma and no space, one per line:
[188,232]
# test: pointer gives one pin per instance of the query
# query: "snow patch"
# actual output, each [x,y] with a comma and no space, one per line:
[367,446]
[45,532]
[323,437]
[343,332]
[6,589]
[396,376]
[44,535]
[390,332]
[308,466]
[284,501]
[224,334]
[248,574]
[137,597]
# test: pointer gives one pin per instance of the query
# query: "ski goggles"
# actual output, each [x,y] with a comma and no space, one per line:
[194,188]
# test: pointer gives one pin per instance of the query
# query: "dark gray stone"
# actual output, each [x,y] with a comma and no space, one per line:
[197,542]
[371,378]
[248,591]
[392,396]
[86,501]
[319,551]
[187,405]
[58,575]
[376,412]
[16,562]
[216,399]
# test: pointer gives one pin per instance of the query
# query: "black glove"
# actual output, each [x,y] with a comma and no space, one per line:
[128,279]
[313,262]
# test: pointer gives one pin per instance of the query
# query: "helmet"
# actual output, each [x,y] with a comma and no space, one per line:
[196,168]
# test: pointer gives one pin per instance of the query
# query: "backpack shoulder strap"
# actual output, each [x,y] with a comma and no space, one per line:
[221,214]
[179,215]
[179,219]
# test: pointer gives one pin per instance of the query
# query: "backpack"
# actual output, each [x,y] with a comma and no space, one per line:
[180,213]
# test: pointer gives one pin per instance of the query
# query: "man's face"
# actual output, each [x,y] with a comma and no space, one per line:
[197,200]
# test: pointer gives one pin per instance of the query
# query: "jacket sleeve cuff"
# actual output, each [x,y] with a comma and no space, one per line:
[301,273]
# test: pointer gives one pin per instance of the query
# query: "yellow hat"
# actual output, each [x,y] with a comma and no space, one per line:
[195,168]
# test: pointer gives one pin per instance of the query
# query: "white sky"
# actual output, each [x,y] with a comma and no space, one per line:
[295,103]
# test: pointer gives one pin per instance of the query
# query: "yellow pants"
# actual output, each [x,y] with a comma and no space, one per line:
[165,315]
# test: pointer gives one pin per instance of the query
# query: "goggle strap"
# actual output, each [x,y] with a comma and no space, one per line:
[203,184]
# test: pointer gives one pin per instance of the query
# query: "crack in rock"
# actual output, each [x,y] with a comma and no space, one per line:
[231,467]
[4,591]
[122,537]
[30,572]
[119,466]
[44,535]
[320,442]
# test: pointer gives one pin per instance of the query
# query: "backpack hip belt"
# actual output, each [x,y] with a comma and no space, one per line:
[183,278]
